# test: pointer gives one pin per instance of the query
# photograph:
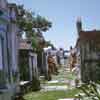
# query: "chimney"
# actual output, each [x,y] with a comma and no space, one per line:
[79,25]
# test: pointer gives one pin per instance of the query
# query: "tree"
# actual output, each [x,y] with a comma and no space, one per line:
[41,23]
[33,25]
[28,21]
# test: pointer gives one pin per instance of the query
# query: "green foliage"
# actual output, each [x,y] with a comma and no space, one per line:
[41,23]
[29,21]
[97,72]
[91,90]
[23,66]
[31,24]
[35,84]
[34,42]
[2,78]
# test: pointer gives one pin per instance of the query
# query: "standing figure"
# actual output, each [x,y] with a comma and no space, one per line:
[60,56]
[51,63]
[50,66]
[73,58]
[55,64]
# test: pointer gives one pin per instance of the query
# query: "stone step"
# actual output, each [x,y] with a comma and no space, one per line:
[67,99]
[53,81]
[55,88]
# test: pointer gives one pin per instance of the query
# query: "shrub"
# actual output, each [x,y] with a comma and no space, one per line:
[91,91]
[35,84]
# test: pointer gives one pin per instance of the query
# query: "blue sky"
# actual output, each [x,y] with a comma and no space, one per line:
[63,14]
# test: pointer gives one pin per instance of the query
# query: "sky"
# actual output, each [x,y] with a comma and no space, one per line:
[63,14]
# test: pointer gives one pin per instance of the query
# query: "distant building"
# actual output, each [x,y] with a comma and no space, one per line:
[60,56]
[72,58]
[88,45]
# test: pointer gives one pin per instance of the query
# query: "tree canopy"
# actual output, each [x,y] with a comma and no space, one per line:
[33,25]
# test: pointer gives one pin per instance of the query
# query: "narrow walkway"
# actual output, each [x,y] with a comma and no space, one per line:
[59,88]
[59,82]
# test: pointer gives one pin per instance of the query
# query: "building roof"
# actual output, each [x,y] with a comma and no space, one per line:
[89,35]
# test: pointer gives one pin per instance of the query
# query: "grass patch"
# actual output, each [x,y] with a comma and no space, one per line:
[70,76]
[51,95]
